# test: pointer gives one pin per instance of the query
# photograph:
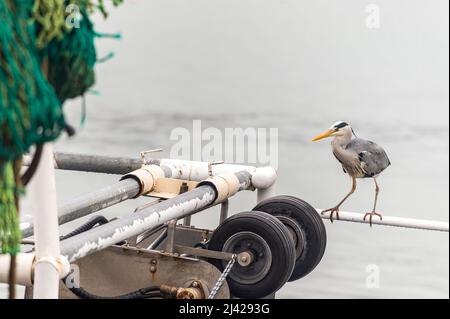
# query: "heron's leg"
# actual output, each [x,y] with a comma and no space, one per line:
[352,190]
[377,190]
[335,209]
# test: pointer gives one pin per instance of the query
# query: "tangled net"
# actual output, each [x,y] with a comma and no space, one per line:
[47,55]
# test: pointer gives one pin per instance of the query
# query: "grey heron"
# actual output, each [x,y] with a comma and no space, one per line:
[360,158]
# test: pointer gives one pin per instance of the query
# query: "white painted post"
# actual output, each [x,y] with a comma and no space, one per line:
[42,190]
[264,179]
[264,193]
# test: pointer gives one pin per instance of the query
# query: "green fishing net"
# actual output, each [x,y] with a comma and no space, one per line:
[10,235]
[47,55]
[67,42]
[71,60]
[30,111]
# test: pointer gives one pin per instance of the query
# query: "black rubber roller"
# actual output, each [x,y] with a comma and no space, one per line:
[268,250]
[306,228]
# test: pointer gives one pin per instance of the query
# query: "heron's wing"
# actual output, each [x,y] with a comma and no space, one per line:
[372,157]
[343,167]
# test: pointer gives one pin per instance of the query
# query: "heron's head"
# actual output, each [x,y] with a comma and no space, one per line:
[337,129]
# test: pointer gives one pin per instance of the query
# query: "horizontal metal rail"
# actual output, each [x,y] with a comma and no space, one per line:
[94,163]
[390,221]
[121,229]
[173,168]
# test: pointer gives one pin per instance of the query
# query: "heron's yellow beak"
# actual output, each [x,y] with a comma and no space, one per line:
[323,135]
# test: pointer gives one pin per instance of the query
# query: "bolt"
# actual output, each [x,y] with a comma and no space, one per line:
[152,269]
[153,261]
[261,255]
[249,245]
[195,284]
[244,259]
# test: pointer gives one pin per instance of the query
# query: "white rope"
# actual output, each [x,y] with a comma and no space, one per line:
[389,221]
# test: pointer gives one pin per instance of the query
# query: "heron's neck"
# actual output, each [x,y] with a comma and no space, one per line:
[338,145]
[341,141]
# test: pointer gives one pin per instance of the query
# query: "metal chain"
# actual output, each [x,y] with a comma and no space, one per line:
[222,277]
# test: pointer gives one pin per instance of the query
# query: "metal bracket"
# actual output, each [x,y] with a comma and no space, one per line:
[166,188]
[178,250]
[170,243]
[144,153]
[210,165]
[60,263]
[205,253]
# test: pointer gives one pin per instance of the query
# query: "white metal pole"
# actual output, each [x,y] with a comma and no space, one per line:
[264,193]
[42,190]
[390,221]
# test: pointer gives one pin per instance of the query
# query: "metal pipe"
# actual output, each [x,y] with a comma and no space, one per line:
[95,163]
[153,216]
[110,195]
[183,189]
[223,211]
[93,201]
[173,168]
[264,193]
[141,237]
[43,192]
[128,188]
[391,221]
[24,266]
[158,240]
[106,235]
[187,221]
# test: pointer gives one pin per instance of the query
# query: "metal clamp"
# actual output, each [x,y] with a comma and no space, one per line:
[60,263]
[147,176]
[226,185]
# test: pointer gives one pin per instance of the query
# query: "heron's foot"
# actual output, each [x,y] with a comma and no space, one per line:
[332,211]
[371,216]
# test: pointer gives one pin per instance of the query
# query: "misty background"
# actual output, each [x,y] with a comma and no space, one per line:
[298,66]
